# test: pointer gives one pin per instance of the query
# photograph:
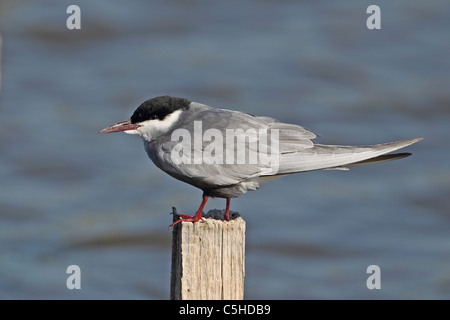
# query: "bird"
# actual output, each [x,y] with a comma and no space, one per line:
[224,167]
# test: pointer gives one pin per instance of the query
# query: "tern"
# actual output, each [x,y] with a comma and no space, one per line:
[225,167]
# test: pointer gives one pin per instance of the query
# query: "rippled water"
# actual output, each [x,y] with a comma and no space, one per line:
[69,196]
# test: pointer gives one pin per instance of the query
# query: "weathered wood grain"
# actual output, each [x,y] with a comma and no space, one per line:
[208,260]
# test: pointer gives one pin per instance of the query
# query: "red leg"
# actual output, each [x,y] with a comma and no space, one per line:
[227,211]
[196,217]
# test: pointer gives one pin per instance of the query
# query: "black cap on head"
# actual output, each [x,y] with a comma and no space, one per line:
[158,108]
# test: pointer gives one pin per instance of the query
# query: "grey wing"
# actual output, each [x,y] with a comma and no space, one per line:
[298,152]
[209,163]
[265,141]
[335,157]
[284,149]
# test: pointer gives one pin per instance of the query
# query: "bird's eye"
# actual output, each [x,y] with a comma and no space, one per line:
[154,117]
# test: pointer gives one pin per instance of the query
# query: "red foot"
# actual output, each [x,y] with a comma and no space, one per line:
[186,219]
[196,218]
[227,211]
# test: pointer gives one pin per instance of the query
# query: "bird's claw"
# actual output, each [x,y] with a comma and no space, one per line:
[186,218]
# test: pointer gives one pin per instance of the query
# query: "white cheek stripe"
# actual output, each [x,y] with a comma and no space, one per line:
[151,129]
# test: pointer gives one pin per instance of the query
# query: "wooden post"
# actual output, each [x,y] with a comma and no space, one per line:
[208,260]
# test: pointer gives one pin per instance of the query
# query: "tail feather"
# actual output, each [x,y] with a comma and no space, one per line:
[382,158]
[338,157]
[379,159]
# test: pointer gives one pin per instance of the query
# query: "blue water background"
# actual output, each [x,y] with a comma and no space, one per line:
[69,196]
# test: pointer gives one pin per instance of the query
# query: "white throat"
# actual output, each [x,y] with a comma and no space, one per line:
[152,129]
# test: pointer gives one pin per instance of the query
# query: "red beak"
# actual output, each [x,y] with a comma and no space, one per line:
[121,126]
